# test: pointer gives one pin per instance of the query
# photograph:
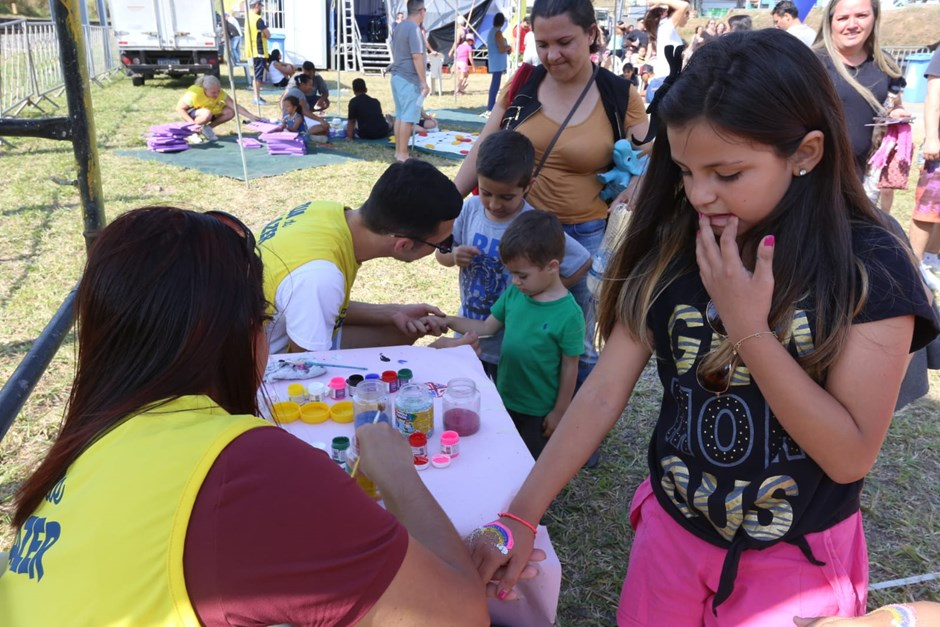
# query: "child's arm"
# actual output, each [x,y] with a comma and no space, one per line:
[840,426]
[481,327]
[568,281]
[591,415]
[461,256]
[567,379]
[295,124]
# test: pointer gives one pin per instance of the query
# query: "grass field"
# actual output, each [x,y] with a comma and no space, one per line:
[41,256]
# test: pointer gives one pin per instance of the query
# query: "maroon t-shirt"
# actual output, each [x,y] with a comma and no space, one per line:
[280,534]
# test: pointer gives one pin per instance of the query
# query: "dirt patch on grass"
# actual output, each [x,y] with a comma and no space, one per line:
[910,26]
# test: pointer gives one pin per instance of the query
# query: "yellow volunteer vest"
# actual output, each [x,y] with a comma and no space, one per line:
[255,44]
[106,545]
[313,231]
[199,100]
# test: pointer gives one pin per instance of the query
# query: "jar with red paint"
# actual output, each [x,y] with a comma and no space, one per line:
[461,404]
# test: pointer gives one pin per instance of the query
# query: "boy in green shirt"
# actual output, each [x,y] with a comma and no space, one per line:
[544,328]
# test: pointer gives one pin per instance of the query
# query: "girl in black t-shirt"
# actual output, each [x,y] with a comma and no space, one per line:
[781,313]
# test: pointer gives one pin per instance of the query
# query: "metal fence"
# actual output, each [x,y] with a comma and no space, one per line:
[29,62]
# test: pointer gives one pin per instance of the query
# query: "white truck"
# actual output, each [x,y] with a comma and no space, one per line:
[174,37]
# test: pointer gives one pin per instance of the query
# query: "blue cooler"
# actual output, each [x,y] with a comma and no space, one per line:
[276,42]
[916,90]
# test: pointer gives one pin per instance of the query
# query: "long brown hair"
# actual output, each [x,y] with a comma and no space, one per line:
[170,304]
[768,88]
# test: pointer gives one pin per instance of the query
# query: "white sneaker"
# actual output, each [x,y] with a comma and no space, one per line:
[209,134]
[932,282]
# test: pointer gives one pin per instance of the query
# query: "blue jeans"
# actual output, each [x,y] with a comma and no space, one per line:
[495,79]
[590,235]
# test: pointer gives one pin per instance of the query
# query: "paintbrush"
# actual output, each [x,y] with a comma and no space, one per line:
[355,469]
[332,365]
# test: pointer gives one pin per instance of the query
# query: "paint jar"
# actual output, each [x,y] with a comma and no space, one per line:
[338,388]
[418,443]
[285,412]
[314,413]
[316,392]
[414,410]
[351,382]
[297,393]
[404,377]
[450,443]
[391,380]
[461,405]
[367,485]
[339,450]
[370,398]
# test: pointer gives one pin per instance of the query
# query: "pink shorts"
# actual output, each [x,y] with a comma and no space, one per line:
[673,575]
[927,195]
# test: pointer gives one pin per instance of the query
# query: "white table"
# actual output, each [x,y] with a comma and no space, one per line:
[479,483]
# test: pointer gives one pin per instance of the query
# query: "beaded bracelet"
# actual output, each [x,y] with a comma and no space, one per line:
[529,525]
[901,615]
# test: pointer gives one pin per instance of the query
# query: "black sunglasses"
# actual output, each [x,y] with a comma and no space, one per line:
[444,247]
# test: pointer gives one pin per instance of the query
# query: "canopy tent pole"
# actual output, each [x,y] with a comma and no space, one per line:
[234,96]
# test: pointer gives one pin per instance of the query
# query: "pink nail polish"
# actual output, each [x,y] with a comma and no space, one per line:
[769,241]
[502,594]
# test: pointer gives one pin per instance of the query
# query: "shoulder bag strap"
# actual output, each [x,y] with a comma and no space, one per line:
[561,128]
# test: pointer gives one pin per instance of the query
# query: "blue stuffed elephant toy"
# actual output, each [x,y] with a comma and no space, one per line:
[627,164]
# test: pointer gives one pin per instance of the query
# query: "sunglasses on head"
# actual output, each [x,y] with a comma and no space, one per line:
[444,247]
[238,226]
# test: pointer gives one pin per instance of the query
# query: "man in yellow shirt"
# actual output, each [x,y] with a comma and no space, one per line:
[256,45]
[312,254]
[207,106]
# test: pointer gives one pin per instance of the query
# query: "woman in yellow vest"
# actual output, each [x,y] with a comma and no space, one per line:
[164,500]
[206,105]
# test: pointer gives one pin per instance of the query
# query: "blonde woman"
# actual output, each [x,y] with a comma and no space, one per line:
[867,80]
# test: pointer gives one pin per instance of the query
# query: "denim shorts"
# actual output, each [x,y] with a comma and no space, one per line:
[407,96]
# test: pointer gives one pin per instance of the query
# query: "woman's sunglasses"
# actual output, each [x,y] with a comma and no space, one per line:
[236,225]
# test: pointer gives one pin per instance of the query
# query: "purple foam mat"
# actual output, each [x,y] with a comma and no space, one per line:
[264,127]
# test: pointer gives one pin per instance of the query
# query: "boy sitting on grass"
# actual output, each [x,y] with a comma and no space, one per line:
[544,329]
[504,174]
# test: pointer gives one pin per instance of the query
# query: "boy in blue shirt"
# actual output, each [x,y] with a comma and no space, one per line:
[544,328]
[505,162]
